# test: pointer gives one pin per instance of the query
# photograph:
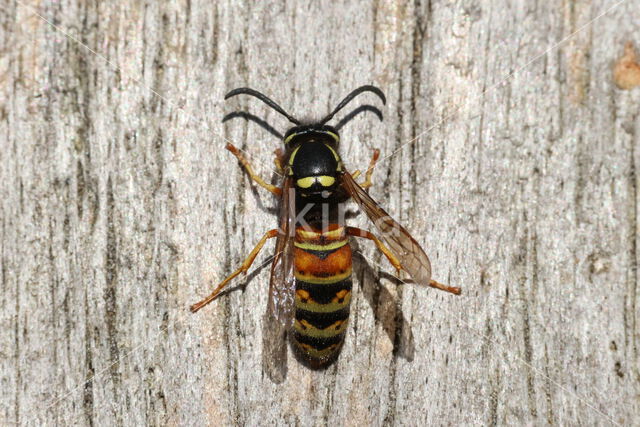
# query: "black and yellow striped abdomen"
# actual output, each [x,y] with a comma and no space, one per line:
[323,294]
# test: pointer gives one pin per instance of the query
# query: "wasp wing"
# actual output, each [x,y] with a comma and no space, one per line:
[279,316]
[411,256]
[282,283]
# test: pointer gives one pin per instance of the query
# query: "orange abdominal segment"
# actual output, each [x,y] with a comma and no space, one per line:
[322,261]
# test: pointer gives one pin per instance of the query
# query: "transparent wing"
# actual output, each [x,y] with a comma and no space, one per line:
[282,283]
[279,316]
[411,256]
[274,348]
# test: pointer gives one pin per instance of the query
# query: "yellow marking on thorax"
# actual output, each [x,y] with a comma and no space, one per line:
[293,155]
[326,181]
[306,182]
[334,136]
[335,154]
[337,157]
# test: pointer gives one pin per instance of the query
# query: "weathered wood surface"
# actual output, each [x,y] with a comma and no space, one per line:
[119,207]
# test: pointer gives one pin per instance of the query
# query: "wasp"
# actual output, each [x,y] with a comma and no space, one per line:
[310,283]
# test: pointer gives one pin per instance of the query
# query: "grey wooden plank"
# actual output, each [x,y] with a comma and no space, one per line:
[120,207]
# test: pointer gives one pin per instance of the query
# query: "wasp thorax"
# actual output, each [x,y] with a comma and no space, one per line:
[315,166]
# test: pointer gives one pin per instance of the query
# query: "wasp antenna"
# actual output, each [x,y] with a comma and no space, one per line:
[353,94]
[264,98]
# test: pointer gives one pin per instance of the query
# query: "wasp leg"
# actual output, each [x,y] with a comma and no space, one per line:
[372,164]
[453,289]
[357,232]
[243,269]
[243,160]
[278,159]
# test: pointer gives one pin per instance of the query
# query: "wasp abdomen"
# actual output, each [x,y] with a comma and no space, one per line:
[323,294]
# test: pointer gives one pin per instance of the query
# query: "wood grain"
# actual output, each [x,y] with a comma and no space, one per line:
[507,150]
